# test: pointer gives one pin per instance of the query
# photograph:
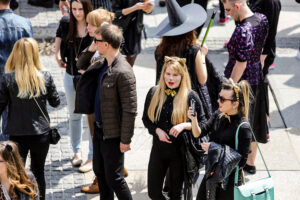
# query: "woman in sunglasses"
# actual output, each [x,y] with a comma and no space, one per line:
[165,117]
[25,88]
[71,39]
[15,182]
[233,110]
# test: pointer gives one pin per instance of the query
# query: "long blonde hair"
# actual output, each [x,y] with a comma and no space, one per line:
[25,62]
[16,174]
[180,102]
[98,16]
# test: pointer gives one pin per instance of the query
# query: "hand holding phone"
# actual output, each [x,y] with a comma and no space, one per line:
[193,106]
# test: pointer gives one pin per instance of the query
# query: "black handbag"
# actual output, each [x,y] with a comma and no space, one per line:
[54,135]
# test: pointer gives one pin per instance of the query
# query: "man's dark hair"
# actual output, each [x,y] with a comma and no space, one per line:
[4,2]
[112,34]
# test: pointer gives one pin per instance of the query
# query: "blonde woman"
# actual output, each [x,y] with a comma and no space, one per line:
[233,110]
[165,117]
[22,85]
[16,184]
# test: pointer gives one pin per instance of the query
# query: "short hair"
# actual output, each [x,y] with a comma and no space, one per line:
[234,1]
[4,2]
[112,34]
[98,16]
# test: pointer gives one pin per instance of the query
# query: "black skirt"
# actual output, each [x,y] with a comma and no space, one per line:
[258,112]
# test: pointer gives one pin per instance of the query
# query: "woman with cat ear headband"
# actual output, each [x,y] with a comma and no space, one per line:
[165,117]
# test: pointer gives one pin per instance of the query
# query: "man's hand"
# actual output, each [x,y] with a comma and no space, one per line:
[262,60]
[124,147]
[63,4]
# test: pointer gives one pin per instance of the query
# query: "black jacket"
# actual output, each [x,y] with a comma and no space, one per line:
[24,116]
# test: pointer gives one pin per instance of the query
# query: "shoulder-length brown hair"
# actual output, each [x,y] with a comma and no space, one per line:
[176,45]
[87,7]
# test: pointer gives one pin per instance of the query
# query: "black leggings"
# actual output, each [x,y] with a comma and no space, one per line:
[38,145]
[162,157]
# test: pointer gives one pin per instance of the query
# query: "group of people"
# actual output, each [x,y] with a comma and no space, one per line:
[98,49]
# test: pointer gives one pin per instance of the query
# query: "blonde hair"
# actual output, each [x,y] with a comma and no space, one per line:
[241,94]
[16,174]
[180,102]
[24,61]
[98,16]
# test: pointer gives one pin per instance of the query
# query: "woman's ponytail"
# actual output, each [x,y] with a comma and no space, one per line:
[246,92]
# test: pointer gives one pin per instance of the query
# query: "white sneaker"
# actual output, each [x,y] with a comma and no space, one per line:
[298,54]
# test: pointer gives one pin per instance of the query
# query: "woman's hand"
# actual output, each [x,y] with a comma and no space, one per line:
[205,146]
[92,47]
[81,71]
[177,129]
[163,136]
[61,63]
[140,6]
[191,114]
[149,6]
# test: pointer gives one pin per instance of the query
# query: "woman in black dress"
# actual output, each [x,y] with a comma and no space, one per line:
[165,117]
[221,127]
[130,12]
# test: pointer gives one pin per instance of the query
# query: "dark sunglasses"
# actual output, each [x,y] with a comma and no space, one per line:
[95,40]
[222,99]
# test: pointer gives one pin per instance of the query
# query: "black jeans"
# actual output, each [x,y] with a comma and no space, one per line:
[38,145]
[108,165]
[222,10]
[162,157]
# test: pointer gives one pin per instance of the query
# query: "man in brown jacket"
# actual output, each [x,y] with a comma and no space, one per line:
[115,105]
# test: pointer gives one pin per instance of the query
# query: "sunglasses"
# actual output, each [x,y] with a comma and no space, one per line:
[95,40]
[222,99]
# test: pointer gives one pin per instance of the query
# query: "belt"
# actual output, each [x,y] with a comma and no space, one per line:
[98,125]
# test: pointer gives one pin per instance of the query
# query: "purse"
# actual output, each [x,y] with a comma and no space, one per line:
[54,135]
[262,189]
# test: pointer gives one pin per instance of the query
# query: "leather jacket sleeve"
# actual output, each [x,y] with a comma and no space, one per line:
[147,122]
[3,94]
[84,59]
[52,94]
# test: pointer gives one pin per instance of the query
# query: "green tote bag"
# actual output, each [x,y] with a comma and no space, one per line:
[262,189]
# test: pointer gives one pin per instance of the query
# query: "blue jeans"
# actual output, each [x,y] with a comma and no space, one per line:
[75,120]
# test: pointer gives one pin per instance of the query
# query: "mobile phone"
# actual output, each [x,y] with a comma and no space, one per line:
[193,105]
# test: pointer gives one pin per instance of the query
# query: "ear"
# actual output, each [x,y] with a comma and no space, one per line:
[235,104]
[237,6]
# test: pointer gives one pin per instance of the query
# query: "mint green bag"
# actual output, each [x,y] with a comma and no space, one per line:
[262,189]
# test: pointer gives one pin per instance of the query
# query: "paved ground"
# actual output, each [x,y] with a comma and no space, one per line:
[281,153]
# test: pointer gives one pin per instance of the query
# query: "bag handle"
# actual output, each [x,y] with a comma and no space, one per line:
[41,111]
[236,148]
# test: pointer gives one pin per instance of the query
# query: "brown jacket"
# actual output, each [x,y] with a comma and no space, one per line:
[117,95]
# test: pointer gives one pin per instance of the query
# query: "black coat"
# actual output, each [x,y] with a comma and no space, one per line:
[24,116]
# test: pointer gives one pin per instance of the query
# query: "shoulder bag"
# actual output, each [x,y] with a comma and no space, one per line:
[262,189]
[54,135]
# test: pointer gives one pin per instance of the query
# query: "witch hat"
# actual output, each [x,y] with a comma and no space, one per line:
[181,20]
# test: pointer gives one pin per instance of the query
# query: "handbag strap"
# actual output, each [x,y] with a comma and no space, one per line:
[236,148]
[41,111]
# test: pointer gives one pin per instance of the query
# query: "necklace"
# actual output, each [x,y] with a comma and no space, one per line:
[77,53]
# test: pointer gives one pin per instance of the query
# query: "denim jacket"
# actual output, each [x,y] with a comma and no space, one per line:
[12,28]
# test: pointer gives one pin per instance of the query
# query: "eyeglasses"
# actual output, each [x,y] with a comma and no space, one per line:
[95,40]
[222,99]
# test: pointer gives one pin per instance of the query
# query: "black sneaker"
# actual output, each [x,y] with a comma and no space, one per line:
[250,169]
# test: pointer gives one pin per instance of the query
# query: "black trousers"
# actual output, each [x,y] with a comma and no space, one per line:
[108,166]
[162,157]
[38,145]
[222,9]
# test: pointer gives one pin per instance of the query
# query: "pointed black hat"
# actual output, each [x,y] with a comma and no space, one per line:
[181,20]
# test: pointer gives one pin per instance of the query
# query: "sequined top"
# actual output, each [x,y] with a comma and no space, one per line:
[246,45]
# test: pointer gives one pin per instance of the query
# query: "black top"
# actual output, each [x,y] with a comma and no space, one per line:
[271,9]
[222,131]
[72,49]
[24,116]
[165,122]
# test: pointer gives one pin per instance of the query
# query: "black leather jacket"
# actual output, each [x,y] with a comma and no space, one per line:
[24,117]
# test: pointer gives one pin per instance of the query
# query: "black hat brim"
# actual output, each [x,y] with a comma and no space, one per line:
[196,16]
